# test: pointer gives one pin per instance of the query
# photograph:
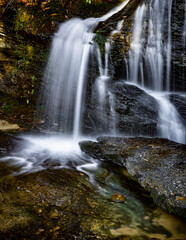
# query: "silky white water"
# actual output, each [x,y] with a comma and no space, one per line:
[151,52]
[64,82]
[170,124]
[65,75]
[149,63]
[62,99]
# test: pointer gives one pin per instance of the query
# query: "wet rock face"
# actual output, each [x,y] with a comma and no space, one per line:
[178,70]
[157,164]
[8,141]
[135,112]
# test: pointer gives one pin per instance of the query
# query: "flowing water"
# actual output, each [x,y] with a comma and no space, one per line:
[64,79]
[149,63]
[62,97]
[170,123]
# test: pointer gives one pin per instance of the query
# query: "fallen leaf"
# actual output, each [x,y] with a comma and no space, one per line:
[180,198]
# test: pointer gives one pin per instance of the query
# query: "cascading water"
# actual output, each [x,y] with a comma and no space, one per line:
[105,97]
[170,123]
[146,57]
[65,75]
[62,99]
[64,79]
[149,62]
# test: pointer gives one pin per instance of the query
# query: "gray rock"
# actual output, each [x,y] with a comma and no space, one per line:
[135,112]
[159,165]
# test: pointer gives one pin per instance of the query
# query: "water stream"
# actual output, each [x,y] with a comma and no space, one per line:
[170,123]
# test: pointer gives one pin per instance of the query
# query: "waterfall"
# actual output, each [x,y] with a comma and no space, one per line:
[149,63]
[65,76]
[135,53]
[146,56]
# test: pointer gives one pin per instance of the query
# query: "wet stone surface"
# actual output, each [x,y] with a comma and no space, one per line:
[157,164]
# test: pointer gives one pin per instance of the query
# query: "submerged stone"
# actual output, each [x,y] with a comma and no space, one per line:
[117,198]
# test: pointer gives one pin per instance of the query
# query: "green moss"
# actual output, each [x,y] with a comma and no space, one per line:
[101,40]
[22,19]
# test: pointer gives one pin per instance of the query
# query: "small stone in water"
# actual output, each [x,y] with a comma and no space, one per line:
[117,198]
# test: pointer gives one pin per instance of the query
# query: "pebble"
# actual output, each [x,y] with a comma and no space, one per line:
[118,198]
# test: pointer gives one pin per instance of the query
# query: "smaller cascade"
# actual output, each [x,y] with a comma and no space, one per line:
[106,99]
[168,48]
[102,80]
[170,123]
[135,53]
[62,93]
[150,55]
[149,62]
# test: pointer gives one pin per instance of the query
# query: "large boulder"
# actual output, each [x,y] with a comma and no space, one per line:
[137,112]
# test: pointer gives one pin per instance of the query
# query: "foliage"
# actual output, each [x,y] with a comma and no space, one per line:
[33,20]
[44,16]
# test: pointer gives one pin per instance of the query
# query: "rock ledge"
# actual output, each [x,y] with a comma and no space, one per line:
[159,165]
